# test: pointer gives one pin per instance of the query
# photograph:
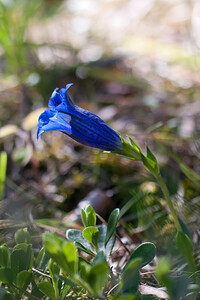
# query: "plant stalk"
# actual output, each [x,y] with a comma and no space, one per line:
[169,201]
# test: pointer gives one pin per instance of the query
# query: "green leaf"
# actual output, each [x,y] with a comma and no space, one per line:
[84,269]
[84,217]
[18,263]
[95,276]
[4,256]
[146,251]
[98,277]
[150,162]
[23,279]
[65,290]
[36,292]
[150,155]
[28,258]
[99,258]
[47,289]
[39,257]
[76,235]
[185,246]
[150,165]
[3,166]
[42,260]
[67,281]
[53,268]
[54,271]
[112,223]
[176,286]
[132,151]
[101,240]
[110,245]
[131,277]
[192,175]
[179,288]
[135,146]
[163,267]
[81,247]
[184,227]
[22,236]
[62,252]
[6,275]
[71,256]
[91,216]
[91,235]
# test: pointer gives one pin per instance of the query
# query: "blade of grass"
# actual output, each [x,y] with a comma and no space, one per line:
[3,168]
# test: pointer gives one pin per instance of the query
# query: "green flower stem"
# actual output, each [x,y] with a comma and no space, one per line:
[169,201]
[133,151]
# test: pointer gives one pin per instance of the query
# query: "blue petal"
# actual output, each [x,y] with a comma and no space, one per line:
[94,135]
[65,96]
[61,101]
[49,120]
[90,124]
[55,100]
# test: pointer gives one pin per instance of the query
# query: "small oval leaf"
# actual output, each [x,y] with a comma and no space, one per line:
[98,277]
[91,235]
[4,256]
[131,277]
[84,217]
[146,251]
[76,235]
[47,289]
[185,246]
[23,279]
[112,223]
[91,216]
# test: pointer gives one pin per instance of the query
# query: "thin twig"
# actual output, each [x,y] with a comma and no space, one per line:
[114,287]
[41,273]
[116,235]
[50,228]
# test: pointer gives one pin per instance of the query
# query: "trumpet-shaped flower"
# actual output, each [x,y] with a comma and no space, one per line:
[80,124]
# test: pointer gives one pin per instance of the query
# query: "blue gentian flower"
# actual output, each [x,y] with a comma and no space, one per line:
[80,124]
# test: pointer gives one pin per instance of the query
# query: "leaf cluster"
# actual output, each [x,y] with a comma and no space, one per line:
[81,266]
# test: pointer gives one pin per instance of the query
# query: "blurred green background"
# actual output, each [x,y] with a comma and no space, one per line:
[134,63]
